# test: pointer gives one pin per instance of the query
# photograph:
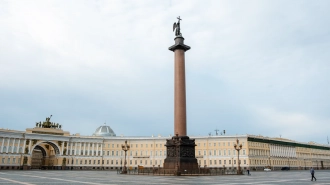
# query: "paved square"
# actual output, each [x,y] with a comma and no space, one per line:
[39,177]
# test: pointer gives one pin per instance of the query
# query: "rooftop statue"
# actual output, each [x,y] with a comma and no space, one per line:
[176,27]
[48,124]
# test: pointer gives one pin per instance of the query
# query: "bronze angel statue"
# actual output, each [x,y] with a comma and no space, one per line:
[176,27]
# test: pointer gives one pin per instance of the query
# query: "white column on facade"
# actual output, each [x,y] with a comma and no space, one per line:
[7,145]
[101,149]
[2,144]
[291,152]
[93,149]
[75,148]
[71,149]
[276,151]
[12,148]
[286,150]
[89,148]
[84,148]
[24,145]
[294,152]
[80,148]
[62,148]
[97,149]
[18,145]
[30,143]
[270,150]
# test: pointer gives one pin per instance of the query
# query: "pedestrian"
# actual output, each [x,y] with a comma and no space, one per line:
[312,173]
[248,170]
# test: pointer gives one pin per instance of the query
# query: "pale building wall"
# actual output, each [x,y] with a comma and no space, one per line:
[85,152]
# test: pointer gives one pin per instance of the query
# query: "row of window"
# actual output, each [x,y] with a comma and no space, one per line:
[10,161]
[221,152]
[11,149]
[114,162]
[278,162]
[219,162]
[117,153]
[146,153]
[256,144]
[10,141]
[220,143]
[117,145]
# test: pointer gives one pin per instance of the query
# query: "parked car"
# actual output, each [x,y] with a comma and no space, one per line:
[267,170]
[286,168]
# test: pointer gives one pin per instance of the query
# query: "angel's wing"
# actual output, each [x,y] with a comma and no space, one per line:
[174,26]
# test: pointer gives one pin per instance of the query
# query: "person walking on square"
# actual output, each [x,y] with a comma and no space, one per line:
[248,170]
[312,173]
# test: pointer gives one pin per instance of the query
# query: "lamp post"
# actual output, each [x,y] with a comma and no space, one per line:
[238,147]
[102,162]
[125,147]
[71,162]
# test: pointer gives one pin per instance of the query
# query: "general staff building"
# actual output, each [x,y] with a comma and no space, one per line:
[53,148]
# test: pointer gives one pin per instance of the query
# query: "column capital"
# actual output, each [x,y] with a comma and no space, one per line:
[179,44]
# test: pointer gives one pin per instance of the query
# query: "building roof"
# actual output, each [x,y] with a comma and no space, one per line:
[104,131]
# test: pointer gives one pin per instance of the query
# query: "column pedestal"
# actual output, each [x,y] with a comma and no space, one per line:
[181,155]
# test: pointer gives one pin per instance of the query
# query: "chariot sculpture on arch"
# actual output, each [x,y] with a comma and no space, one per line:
[48,124]
[176,27]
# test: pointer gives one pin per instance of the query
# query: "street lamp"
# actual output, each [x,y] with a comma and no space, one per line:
[125,147]
[238,147]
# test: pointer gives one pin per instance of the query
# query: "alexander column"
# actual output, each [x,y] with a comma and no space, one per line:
[180,149]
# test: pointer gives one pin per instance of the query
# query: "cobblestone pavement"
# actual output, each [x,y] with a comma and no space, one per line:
[48,177]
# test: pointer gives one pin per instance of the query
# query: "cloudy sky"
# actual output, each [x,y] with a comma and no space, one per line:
[255,67]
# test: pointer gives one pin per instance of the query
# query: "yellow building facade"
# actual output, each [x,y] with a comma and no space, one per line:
[53,148]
